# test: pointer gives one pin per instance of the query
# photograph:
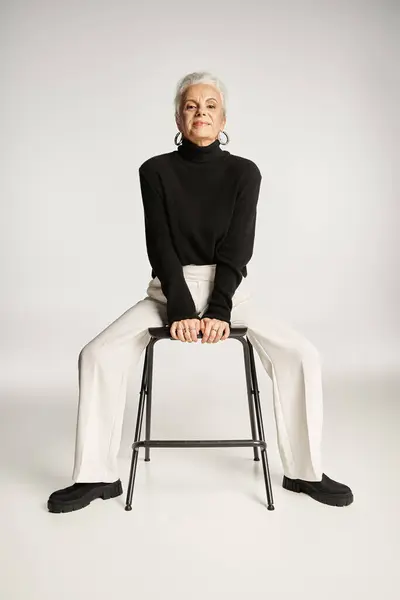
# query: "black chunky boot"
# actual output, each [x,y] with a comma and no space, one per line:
[79,495]
[326,491]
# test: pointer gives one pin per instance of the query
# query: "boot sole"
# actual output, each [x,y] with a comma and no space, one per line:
[331,500]
[105,493]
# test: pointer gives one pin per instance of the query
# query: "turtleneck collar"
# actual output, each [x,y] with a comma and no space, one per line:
[191,151]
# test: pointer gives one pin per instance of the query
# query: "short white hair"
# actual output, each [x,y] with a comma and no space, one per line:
[199,77]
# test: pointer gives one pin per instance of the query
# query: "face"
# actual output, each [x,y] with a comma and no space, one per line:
[201,116]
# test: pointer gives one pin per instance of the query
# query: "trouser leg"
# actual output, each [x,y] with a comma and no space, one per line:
[293,364]
[104,366]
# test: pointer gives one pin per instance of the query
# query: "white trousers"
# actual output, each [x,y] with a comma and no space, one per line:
[290,360]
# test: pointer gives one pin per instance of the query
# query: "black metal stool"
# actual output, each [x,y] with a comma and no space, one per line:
[257,441]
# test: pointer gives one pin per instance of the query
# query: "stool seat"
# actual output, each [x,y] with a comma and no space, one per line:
[163,333]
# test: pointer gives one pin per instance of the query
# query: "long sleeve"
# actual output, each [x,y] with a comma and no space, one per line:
[161,251]
[236,248]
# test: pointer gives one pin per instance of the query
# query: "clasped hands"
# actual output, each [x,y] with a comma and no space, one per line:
[187,330]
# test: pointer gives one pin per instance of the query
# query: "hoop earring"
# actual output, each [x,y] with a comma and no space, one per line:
[227,138]
[176,137]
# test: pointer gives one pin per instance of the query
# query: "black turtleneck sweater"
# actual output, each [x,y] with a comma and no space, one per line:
[200,206]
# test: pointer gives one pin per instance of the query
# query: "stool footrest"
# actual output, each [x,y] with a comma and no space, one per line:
[199,444]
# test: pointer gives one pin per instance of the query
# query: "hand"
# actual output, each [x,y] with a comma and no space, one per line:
[192,327]
[214,330]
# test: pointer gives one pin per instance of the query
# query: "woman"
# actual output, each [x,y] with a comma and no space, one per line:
[200,213]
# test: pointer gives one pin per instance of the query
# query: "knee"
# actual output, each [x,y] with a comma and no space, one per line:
[305,351]
[89,352]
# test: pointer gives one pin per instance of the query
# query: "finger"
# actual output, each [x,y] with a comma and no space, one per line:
[227,332]
[194,327]
[188,333]
[219,333]
[213,332]
[172,331]
[207,332]
[180,332]
[203,325]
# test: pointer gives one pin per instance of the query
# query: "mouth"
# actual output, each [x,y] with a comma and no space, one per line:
[200,123]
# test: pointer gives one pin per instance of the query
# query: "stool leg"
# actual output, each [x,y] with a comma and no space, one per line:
[147,360]
[149,396]
[257,403]
[249,384]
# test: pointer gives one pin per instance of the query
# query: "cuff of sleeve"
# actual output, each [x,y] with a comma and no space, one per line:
[180,304]
[216,314]
[181,317]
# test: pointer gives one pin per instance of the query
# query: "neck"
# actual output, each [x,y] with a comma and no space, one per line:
[196,153]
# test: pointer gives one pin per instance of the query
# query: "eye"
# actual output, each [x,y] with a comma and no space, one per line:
[190,106]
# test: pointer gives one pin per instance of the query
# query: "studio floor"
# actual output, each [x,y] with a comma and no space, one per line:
[199,528]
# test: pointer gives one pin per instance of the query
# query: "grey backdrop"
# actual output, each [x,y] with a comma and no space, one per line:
[87,93]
